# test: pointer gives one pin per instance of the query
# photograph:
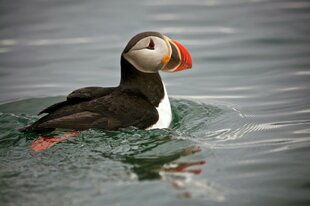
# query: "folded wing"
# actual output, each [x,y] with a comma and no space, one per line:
[111,111]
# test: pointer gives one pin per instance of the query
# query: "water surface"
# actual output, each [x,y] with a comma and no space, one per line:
[243,109]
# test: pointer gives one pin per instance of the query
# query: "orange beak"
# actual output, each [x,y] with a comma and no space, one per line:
[180,58]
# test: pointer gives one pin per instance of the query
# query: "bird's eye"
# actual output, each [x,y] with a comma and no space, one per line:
[151,45]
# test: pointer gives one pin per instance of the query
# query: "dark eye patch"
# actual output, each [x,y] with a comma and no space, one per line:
[151,45]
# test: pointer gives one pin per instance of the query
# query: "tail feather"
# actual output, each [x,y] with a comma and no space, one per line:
[25,129]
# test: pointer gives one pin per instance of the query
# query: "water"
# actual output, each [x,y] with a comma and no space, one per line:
[243,109]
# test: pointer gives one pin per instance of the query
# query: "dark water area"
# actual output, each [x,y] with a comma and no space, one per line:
[241,115]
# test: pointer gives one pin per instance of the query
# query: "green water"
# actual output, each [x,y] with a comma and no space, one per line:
[85,164]
[241,115]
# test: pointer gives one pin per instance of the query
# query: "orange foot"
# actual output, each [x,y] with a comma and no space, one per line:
[43,143]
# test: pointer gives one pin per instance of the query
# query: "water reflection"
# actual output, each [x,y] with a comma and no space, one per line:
[249,55]
[151,165]
[169,155]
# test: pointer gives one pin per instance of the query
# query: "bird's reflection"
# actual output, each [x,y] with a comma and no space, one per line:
[149,167]
[153,155]
[164,161]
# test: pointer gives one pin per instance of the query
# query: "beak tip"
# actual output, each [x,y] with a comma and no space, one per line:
[185,59]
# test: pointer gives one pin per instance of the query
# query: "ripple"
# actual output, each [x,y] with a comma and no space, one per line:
[182,3]
[164,17]
[4,50]
[302,73]
[199,3]
[198,30]
[202,97]
[56,41]
[43,42]
[8,42]
[294,5]
[288,123]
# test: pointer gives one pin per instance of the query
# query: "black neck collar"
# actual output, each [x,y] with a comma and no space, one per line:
[148,84]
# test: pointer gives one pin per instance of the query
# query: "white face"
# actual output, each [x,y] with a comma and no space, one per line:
[149,55]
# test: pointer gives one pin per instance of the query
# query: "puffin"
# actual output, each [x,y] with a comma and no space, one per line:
[140,100]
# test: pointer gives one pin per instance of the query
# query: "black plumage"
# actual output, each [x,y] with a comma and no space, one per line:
[132,103]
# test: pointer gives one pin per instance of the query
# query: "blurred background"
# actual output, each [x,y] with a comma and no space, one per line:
[240,48]
[252,56]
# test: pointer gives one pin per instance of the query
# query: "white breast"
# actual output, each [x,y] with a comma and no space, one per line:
[164,112]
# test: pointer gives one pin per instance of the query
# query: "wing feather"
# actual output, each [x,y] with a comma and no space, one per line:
[78,96]
[113,111]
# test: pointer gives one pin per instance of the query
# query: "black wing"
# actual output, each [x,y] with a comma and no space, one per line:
[113,111]
[78,96]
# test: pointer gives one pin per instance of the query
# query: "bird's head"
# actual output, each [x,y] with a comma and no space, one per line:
[150,52]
